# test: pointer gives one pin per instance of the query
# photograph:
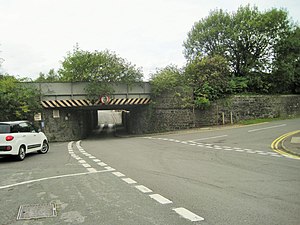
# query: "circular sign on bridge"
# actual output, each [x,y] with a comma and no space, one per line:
[104,99]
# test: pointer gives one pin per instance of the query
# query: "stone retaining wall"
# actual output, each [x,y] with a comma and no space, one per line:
[168,115]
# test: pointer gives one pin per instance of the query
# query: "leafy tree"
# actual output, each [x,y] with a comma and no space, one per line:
[209,76]
[286,76]
[17,101]
[247,39]
[166,80]
[170,80]
[102,67]
[52,76]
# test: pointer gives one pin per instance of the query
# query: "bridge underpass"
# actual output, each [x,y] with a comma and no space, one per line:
[102,119]
[68,114]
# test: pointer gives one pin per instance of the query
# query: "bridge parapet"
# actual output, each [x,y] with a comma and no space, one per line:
[76,90]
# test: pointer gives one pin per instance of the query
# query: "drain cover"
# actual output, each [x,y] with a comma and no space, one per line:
[27,212]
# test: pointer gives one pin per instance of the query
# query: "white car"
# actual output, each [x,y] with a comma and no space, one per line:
[17,138]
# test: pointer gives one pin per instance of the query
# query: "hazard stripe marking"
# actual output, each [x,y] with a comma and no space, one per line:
[84,102]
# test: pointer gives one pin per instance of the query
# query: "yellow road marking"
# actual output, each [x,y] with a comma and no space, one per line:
[276,142]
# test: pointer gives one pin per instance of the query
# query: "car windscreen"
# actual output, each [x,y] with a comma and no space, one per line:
[4,128]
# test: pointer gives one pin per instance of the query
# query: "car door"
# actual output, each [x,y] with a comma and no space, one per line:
[30,137]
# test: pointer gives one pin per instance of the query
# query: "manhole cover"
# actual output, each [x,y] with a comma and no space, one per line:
[27,212]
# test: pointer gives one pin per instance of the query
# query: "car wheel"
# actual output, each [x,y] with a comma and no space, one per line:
[45,148]
[22,153]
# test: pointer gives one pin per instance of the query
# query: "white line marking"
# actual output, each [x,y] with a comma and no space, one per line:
[102,164]
[118,174]
[129,181]
[251,152]
[50,178]
[265,128]
[92,170]
[96,160]
[160,199]
[143,189]
[210,138]
[109,168]
[92,157]
[86,165]
[188,214]
[262,153]
[82,161]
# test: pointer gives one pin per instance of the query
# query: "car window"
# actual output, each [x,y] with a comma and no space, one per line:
[4,128]
[15,128]
[24,127]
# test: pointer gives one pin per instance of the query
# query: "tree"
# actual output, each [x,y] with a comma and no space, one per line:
[103,67]
[247,39]
[171,81]
[209,77]
[167,79]
[286,76]
[17,101]
[51,76]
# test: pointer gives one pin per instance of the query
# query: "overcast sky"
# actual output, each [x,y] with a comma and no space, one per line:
[35,35]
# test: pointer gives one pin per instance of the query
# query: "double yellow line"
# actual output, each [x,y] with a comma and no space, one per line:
[277,141]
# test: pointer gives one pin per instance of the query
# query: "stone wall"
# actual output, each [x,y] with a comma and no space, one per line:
[236,108]
[70,125]
[167,113]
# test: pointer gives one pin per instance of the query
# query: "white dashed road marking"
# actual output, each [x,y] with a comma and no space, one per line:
[160,199]
[118,174]
[96,160]
[217,147]
[109,168]
[143,189]
[188,214]
[129,180]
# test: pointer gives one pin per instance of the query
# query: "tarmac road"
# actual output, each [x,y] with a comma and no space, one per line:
[213,176]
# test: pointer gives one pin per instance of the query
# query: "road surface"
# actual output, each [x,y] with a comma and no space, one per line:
[227,175]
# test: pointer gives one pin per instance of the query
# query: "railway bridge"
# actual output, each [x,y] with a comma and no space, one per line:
[68,114]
